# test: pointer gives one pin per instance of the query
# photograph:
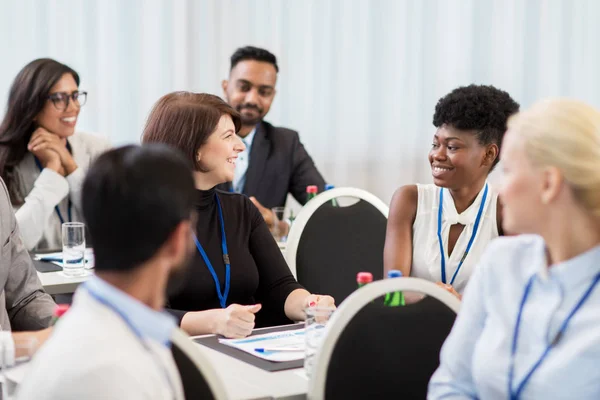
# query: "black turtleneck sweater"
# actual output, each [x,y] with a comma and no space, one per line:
[259,273]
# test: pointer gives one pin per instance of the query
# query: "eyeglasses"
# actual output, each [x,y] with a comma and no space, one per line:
[61,99]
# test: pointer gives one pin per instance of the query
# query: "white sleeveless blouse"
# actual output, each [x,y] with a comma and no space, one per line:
[426,260]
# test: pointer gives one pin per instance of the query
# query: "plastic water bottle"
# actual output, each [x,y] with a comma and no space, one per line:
[59,311]
[394,299]
[311,192]
[362,278]
[333,201]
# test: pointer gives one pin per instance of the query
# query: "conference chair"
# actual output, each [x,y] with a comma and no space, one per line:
[198,377]
[374,351]
[329,244]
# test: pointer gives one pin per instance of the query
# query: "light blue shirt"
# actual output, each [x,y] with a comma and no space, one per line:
[151,324]
[242,162]
[474,361]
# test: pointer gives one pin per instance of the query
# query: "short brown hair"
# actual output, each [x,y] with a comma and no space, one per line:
[185,120]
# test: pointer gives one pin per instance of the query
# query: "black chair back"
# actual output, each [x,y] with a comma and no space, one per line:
[389,352]
[194,384]
[336,244]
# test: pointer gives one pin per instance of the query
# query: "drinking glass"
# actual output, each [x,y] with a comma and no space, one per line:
[73,241]
[316,323]
[281,225]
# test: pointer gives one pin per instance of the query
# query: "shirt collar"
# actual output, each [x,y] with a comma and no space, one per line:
[249,139]
[143,320]
[573,272]
[467,217]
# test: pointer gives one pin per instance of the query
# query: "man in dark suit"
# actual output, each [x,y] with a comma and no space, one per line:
[275,162]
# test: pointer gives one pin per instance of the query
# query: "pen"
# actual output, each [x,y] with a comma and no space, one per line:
[50,259]
[57,259]
[266,349]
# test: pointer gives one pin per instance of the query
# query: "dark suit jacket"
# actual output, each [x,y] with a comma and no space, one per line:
[279,165]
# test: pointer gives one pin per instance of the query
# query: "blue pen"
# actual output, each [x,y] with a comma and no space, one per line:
[50,259]
[56,259]
[267,349]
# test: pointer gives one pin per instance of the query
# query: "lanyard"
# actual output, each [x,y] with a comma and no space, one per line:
[222,295]
[135,331]
[439,234]
[514,395]
[62,220]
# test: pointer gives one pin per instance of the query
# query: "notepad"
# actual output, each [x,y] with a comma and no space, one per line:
[293,340]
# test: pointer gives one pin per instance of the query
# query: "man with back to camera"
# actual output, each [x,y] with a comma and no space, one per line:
[275,162]
[114,342]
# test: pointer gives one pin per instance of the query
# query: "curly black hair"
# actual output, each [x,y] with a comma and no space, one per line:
[253,53]
[484,109]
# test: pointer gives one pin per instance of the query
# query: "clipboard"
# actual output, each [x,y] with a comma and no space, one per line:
[271,366]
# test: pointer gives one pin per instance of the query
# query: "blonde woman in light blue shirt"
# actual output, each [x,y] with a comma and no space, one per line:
[529,327]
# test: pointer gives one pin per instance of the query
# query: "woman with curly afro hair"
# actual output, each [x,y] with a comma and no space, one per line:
[438,231]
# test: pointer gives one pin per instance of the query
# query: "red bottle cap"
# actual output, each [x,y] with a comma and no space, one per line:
[364,277]
[312,189]
[60,310]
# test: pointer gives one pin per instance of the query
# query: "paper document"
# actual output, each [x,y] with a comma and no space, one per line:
[276,346]
[57,258]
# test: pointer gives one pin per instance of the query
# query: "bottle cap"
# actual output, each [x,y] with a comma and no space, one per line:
[329,186]
[394,273]
[311,189]
[60,310]
[364,277]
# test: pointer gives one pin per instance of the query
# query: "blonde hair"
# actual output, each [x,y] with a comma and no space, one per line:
[565,134]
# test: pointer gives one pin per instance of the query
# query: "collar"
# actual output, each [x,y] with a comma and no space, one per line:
[205,198]
[249,139]
[151,324]
[570,273]
[467,217]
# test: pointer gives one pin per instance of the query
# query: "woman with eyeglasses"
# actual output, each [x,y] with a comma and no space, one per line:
[42,160]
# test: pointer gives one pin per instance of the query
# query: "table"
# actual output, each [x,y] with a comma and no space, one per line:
[58,283]
[243,381]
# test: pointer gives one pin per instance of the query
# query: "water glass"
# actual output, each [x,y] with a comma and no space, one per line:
[11,360]
[73,240]
[316,323]
[281,225]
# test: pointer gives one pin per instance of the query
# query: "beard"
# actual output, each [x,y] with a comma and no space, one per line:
[247,120]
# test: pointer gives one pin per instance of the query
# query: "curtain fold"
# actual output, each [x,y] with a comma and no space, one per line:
[358,79]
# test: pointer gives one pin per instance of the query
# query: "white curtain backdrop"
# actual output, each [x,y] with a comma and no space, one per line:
[358,79]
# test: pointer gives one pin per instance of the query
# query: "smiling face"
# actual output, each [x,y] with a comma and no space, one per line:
[61,122]
[458,159]
[251,89]
[216,158]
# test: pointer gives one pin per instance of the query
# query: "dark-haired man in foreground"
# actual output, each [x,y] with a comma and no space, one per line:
[114,342]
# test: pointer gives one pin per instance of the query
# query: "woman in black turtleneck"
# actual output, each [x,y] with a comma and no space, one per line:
[261,285]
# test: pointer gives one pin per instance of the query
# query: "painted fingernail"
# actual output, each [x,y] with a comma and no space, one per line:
[312,304]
